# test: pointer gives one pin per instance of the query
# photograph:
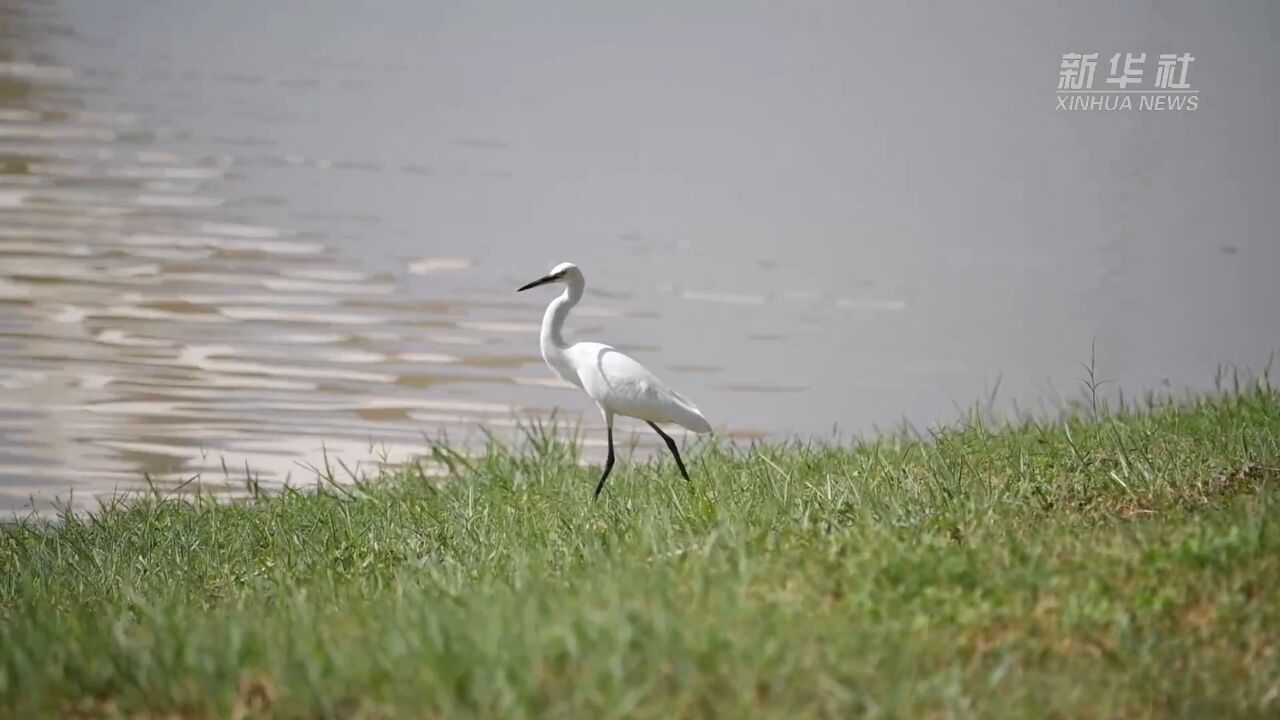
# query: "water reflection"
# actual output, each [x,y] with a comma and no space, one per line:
[150,333]
[211,259]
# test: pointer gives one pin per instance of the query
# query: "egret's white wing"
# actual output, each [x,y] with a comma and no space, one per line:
[620,384]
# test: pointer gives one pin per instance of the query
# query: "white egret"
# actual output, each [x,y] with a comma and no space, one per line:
[617,383]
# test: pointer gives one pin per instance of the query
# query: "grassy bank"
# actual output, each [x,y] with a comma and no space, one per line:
[1124,566]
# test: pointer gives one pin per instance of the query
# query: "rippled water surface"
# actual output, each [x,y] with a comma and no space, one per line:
[237,235]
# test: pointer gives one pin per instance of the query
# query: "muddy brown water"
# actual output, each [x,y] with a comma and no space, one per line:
[237,237]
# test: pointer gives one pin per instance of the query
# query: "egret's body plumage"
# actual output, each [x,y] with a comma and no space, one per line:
[621,385]
[617,383]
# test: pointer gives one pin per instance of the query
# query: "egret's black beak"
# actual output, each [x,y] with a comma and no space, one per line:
[539,281]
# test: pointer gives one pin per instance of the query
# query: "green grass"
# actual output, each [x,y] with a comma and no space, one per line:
[1120,566]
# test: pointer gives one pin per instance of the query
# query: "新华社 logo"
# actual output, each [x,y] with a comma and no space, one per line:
[1128,85]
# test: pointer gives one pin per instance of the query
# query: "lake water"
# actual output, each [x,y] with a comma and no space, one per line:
[233,234]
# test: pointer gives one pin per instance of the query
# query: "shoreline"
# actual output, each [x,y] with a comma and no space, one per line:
[1102,567]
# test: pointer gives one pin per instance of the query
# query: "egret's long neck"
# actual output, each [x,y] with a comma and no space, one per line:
[557,311]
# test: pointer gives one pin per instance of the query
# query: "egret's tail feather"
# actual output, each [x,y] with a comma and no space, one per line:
[687,415]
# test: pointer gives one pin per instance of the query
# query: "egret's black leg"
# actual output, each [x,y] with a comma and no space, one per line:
[671,445]
[608,464]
